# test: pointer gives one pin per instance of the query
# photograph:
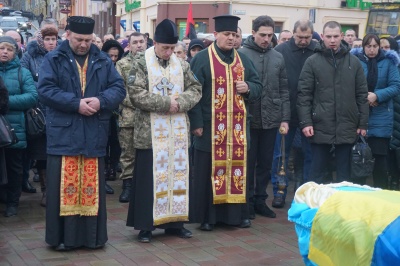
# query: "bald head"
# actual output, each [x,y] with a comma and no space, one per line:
[15,35]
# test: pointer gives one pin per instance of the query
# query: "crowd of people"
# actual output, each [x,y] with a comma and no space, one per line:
[196,128]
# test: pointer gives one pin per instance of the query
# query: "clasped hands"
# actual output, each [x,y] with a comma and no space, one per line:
[89,106]
[174,107]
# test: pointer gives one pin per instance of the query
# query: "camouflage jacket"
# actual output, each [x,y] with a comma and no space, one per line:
[146,102]
[123,67]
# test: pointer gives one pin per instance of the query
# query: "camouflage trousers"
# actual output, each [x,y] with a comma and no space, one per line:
[128,152]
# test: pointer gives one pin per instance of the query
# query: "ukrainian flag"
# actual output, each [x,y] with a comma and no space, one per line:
[346,224]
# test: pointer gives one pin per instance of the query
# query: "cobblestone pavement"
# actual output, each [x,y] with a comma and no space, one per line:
[267,242]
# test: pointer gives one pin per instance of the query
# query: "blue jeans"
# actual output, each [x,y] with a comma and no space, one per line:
[278,157]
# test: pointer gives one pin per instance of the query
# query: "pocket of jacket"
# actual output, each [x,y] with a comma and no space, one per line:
[59,132]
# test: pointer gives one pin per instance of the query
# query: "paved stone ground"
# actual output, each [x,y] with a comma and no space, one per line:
[267,242]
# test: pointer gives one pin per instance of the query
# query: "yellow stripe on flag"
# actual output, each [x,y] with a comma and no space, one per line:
[346,226]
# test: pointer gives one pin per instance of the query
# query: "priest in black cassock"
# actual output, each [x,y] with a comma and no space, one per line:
[162,88]
[220,124]
[80,88]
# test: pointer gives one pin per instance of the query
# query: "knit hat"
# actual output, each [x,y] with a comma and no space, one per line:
[194,43]
[124,43]
[9,40]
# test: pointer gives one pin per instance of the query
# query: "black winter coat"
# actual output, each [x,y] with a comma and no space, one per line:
[333,96]
[294,57]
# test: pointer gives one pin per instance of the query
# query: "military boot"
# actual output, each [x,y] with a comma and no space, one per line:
[126,190]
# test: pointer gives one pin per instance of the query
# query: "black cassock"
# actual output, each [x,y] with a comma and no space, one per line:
[140,214]
[74,231]
[202,197]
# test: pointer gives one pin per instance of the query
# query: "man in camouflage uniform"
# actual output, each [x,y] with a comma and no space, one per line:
[162,89]
[127,159]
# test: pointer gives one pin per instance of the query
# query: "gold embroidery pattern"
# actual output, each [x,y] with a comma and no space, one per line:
[220,134]
[238,179]
[220,179]
[239,134]
[221,98]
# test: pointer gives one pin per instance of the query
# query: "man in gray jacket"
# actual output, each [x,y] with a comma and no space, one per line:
[332,103]
[270,111]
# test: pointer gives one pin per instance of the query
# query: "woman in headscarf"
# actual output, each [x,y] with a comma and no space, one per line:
[380,68]
[46,41]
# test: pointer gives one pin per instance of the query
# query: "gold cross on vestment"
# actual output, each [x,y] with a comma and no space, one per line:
[239,152]
[220,152]
[221,116]
[160,129]
[220,80]
[180,160]
[91,168]
[239,117]
[162,161]
[164,86]
[180,135]
[70,168]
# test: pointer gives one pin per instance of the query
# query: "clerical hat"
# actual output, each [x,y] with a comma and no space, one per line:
[81,25]
[226,23]
[166,32]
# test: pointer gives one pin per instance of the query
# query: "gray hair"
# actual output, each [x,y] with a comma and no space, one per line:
[181,44]
[49,21]
[303,25]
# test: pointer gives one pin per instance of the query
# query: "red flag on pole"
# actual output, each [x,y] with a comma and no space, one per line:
[190,30]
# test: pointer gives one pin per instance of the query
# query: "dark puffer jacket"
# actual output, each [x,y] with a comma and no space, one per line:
[21,98]
[32,59]
[380,123]
[273,107]
[333,96]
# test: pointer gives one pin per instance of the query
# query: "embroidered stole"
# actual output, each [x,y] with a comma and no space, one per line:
[170,145]
[82,74]
[79,193]
[79,186]
[229,146]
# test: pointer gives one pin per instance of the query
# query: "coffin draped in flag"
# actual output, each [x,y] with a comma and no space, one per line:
[347,224]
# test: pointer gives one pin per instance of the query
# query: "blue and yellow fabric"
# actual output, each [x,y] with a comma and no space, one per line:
[347,224]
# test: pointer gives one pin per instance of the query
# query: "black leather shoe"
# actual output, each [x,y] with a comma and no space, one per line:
[246,223]
[206,227]
[179,232]
[109,190]
[27,187]
[10,211]
[263,210]
[62,247]
[144,236]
